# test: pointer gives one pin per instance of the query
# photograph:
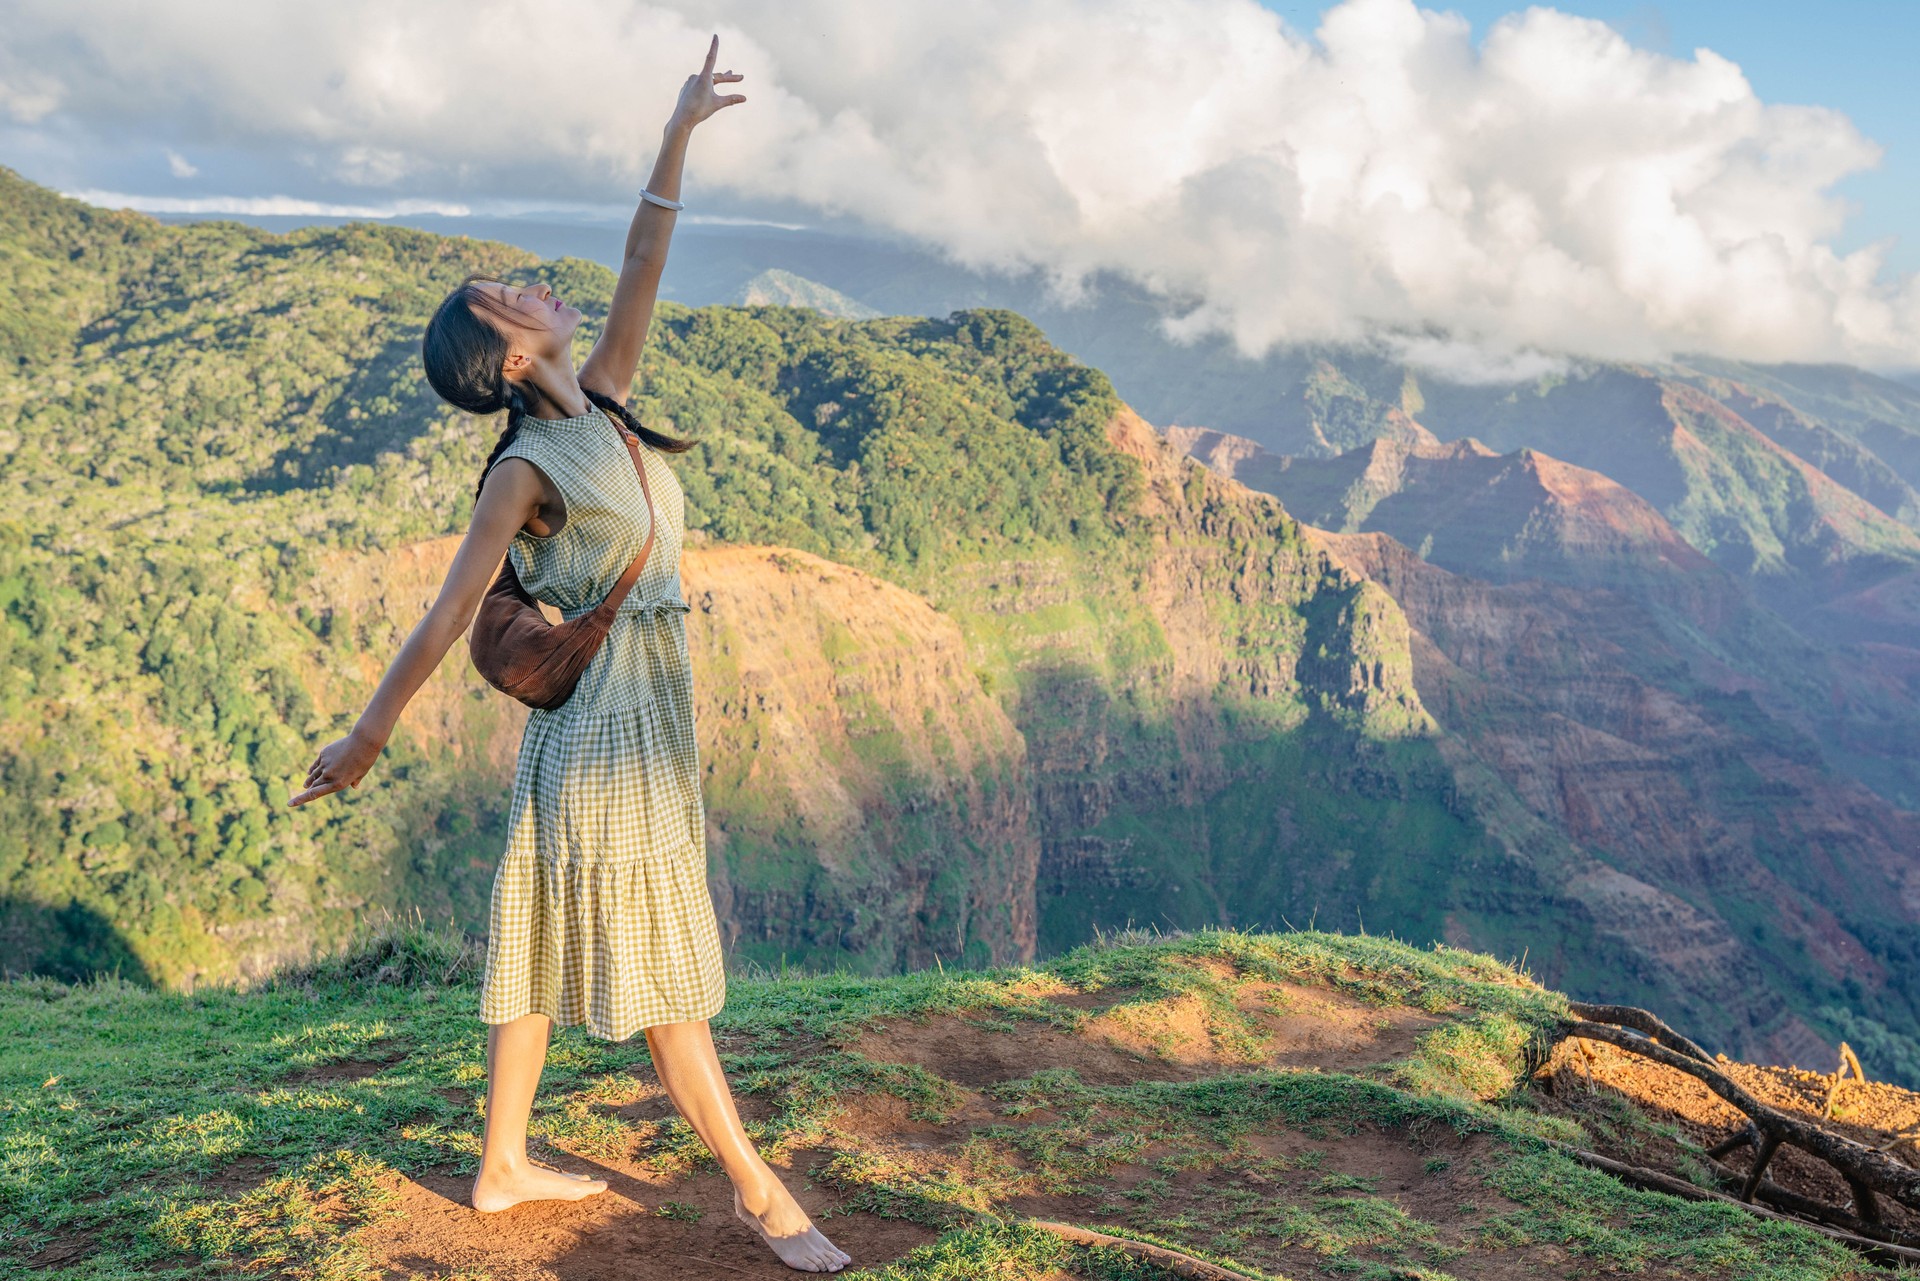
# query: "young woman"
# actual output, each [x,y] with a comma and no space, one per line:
[600,910]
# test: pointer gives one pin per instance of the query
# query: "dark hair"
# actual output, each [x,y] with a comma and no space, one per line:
[464,357]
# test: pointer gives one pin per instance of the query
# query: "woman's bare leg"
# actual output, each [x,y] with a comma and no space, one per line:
[516,1052]
[684,1057]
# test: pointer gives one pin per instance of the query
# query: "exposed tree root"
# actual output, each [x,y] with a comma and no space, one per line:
[1181,1265]
[1792,1202]
[1655,1181]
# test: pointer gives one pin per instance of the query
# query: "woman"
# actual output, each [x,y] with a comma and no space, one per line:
[600,910]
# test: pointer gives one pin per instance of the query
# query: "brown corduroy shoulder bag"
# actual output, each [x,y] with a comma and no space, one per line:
[518,652]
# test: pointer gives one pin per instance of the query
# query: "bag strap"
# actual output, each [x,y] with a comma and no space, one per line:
[632,574]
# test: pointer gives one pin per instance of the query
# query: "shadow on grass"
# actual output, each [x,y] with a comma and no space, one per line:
[70,942]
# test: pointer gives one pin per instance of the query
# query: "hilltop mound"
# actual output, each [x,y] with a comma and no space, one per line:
[1279,1104]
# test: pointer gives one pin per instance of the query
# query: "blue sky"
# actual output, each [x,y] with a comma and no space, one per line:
[1857,56]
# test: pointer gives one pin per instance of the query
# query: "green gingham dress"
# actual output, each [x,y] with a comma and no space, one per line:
[601,913]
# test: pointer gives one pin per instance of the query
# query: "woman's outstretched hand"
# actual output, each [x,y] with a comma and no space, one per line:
[697,97]
[341,763]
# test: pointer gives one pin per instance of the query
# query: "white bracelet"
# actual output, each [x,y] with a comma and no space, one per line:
[662,201]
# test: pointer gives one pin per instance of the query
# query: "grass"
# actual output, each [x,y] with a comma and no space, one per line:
[145,1133]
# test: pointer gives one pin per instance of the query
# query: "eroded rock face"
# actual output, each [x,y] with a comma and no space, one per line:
[1222,725]
[1353,652]
[1724,841]
[1637,700]
[1501,517]
[866,797]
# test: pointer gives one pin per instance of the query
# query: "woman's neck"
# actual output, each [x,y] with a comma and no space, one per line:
[556,391]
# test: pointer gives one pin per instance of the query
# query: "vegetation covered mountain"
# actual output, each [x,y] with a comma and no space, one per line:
[985,663]
[1879,415]
[1757,508]
[1275,1105]
[784,289]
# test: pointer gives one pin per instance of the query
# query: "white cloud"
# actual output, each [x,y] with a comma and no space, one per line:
[27,95]
[1555,189]
[372,166]
[1467,362]
[179,165]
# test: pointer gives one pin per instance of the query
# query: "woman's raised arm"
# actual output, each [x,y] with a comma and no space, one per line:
[512,494]
[609,367]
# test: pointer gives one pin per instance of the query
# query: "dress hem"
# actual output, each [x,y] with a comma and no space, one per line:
[595,1030]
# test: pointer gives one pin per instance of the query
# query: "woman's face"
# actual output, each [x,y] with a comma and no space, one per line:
[541,325]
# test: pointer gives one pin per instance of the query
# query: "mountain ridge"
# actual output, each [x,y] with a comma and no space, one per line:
[1522,514]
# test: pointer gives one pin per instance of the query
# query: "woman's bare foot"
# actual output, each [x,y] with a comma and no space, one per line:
[496,1190]
[783,1225]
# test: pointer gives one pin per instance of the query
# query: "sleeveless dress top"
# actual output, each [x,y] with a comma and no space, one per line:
[601,913]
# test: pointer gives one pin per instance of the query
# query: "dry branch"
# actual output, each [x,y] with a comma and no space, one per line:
[1848,1060]
[1639,1020]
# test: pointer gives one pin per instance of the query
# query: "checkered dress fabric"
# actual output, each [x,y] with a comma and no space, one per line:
[601,914]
